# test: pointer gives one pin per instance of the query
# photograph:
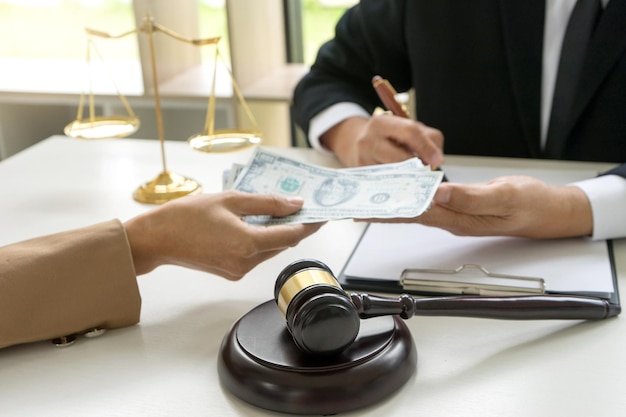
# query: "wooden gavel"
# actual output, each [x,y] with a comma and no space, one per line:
[323,319]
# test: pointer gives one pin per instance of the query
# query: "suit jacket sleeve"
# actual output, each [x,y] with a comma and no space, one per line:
[67,283]
[619,170]
[368,40]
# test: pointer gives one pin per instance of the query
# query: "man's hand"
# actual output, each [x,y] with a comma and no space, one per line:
[510,206]
[359,141]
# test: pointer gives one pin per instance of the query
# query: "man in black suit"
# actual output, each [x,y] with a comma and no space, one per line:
[487,77]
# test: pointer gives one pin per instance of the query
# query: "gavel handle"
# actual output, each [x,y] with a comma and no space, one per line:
[525,307]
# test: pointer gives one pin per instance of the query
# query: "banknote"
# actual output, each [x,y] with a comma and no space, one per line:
[333,194]
[414,163]
[231,175]
[409,164]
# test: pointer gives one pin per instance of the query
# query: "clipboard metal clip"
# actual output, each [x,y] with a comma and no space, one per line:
[469,279]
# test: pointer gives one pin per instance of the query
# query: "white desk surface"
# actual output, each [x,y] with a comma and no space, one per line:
[167,365]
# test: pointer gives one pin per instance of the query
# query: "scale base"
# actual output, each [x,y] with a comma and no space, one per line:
[260,364]
[165,187]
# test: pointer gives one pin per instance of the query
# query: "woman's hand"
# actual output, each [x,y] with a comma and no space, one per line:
[206,232]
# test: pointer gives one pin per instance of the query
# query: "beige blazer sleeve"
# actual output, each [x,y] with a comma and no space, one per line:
[67,283]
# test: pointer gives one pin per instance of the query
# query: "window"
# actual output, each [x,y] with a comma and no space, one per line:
[311,23]
[48,46]
[54,28]
[212,22]
[43,56]
[318,23]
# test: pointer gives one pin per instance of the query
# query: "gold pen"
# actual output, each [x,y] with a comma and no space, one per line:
[387,94]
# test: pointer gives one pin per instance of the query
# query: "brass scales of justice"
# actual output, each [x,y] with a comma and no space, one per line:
[167,185]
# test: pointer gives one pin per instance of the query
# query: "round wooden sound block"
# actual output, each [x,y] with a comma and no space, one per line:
[260,364]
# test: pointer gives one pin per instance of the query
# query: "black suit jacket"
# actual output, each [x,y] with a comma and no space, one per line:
[476,69]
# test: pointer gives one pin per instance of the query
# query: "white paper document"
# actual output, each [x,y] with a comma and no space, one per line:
[576,265]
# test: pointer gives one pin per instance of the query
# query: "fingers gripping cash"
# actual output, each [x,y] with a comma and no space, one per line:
[399,190]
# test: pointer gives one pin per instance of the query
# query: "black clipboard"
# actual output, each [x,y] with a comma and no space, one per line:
[539,285]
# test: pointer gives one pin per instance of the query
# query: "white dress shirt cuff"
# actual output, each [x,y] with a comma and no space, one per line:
[607,195]
[328,118]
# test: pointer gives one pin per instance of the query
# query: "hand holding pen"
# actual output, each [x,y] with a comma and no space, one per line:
[387,95]
[361,140]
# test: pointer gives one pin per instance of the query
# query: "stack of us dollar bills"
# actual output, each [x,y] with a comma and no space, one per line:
[399,190]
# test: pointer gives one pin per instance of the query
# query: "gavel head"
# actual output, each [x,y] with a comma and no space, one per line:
[320,315]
